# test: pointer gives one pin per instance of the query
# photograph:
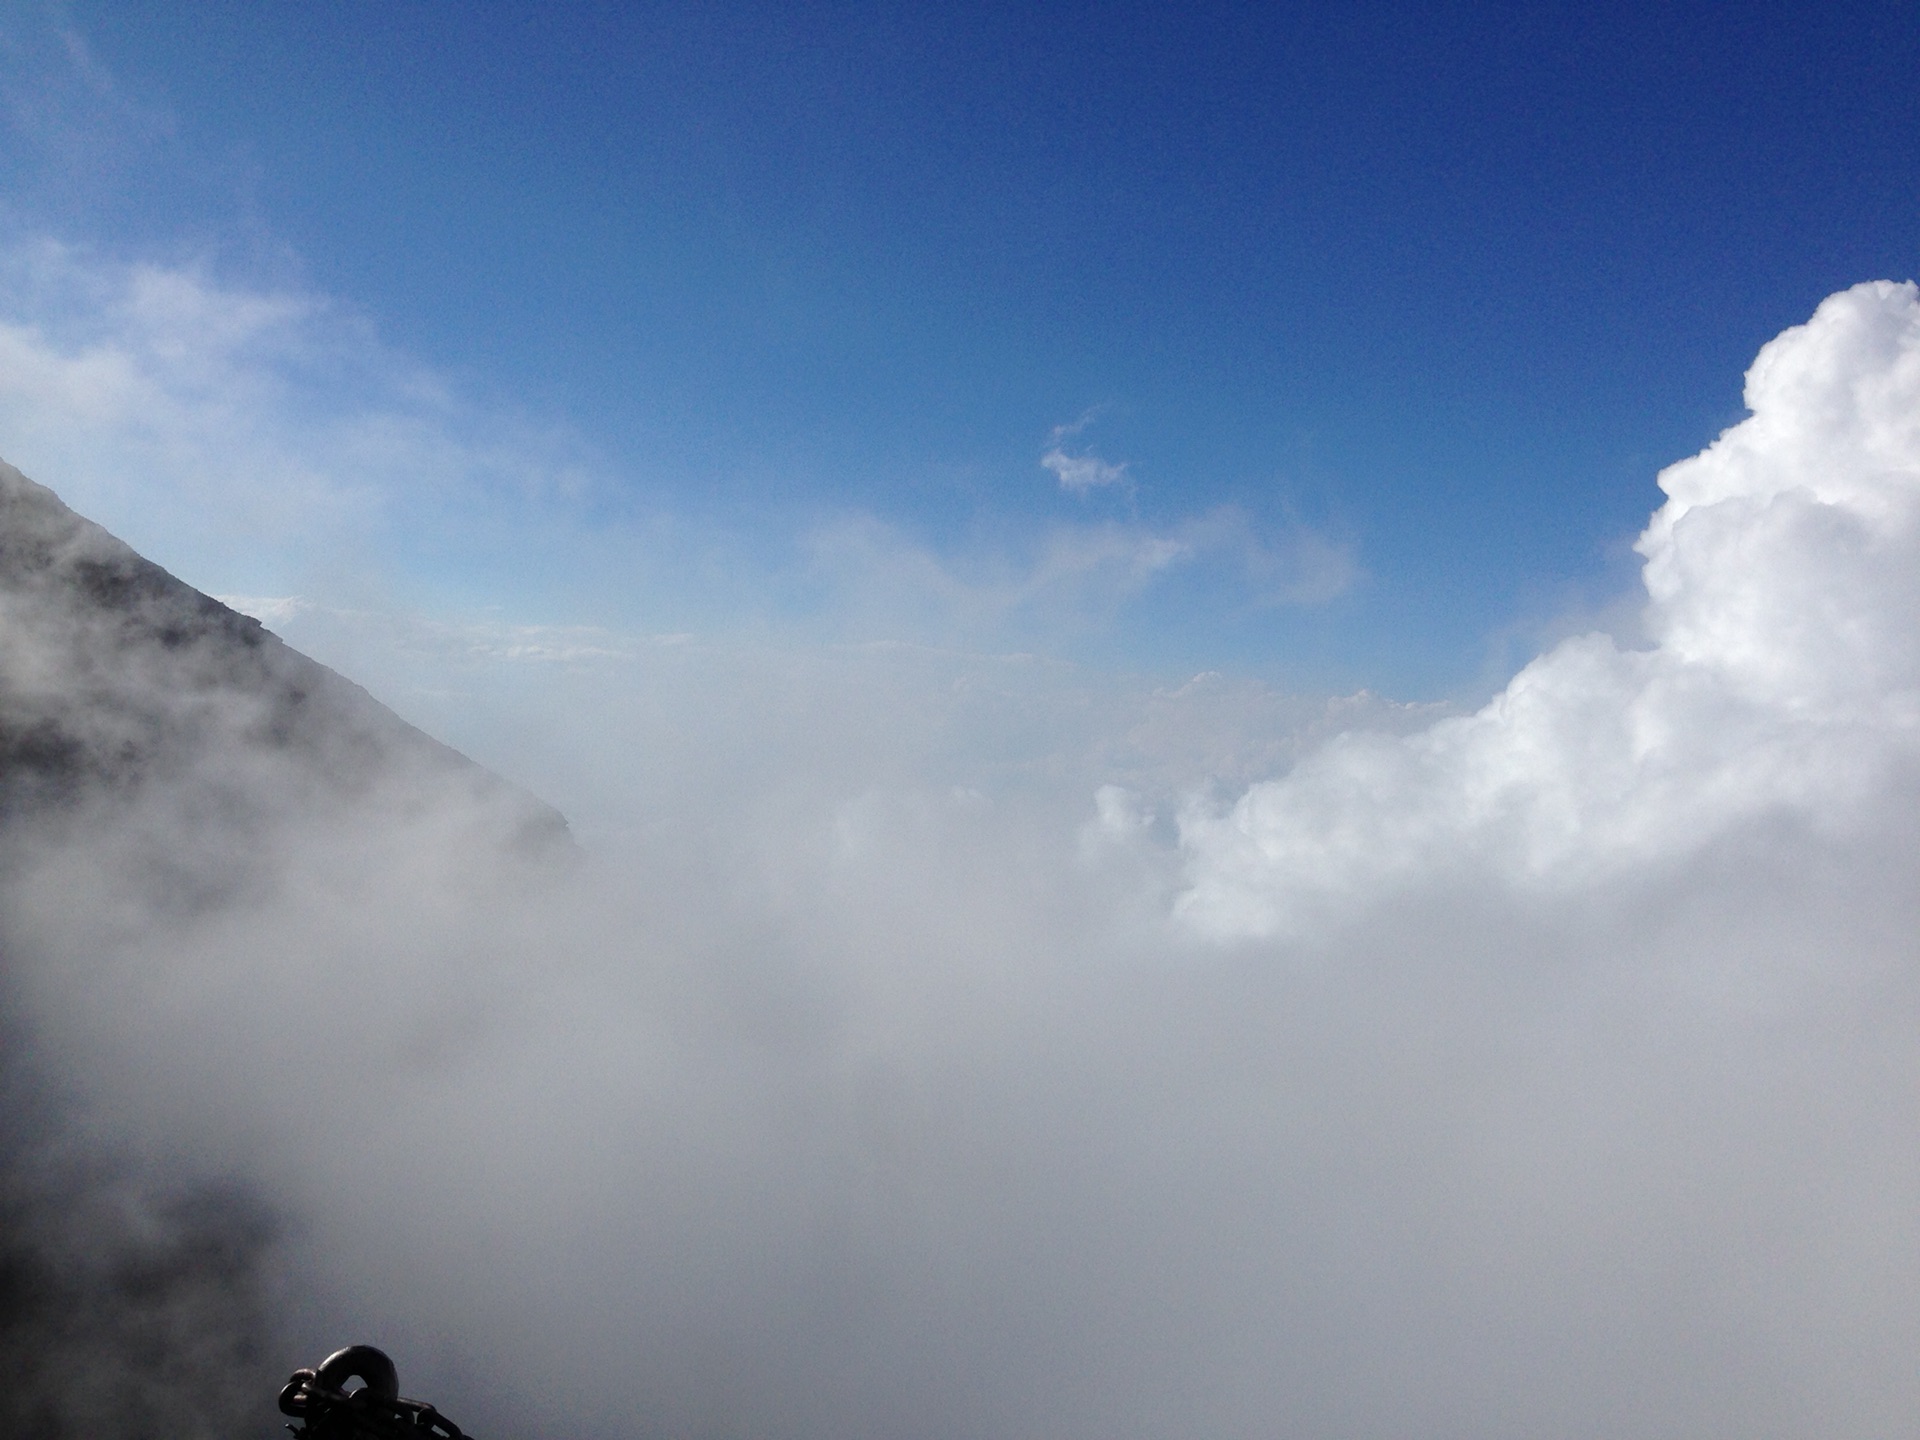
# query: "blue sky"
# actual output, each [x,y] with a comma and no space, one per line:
[1433,291]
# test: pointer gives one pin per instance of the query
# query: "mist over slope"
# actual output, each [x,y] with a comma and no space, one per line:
[162,742]
[1547,1070]
[117,679]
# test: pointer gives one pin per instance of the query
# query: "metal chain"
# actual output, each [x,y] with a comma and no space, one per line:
[326,1410]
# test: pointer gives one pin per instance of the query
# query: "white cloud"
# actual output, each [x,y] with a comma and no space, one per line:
[1064,583]
[273,611]
[1783,581]
[1081,473]
[1292,564]
[1555,1074]
[263,441]
[238,432]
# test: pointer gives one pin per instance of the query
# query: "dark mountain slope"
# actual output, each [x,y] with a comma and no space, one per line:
[115,676]
[161,757]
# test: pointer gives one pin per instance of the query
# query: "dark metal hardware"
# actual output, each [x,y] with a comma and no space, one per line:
[374,1410]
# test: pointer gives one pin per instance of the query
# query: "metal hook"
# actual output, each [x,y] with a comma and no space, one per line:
[369,1364]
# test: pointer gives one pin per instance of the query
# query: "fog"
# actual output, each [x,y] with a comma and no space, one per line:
[941,1044]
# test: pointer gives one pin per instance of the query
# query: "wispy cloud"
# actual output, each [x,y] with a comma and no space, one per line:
[1083,472]
[236,428]
[469,639]
[1068,580]
[269,442]
[272,611]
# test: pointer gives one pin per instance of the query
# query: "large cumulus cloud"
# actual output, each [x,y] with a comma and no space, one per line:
[1783,583]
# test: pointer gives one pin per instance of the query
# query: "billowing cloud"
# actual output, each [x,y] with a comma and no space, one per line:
[919,1049]
[1782,678]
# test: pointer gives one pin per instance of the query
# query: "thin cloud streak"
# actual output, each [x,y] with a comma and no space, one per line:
[272,438]
[277,421]
[1074,579]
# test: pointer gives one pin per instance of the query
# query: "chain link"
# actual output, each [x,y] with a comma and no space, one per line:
[326,1410]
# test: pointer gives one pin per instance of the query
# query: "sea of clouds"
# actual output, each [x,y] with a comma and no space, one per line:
[955,1045]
